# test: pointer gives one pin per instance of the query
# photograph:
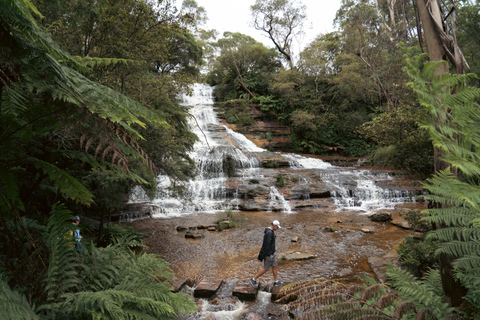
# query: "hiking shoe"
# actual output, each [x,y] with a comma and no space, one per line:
[278,283]
[254,283]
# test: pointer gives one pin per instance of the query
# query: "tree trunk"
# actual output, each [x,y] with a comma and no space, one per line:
[434,46]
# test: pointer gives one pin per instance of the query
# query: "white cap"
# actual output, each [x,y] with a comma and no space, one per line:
[276,223]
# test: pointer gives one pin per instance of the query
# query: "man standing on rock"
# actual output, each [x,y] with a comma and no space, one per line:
[267,254]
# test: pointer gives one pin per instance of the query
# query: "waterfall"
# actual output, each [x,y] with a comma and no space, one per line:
[351,188]
[208,191]
[220,148]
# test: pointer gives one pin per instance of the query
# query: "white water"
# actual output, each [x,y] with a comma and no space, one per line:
[234,311]
[208,191]
[351,189]
[277,200]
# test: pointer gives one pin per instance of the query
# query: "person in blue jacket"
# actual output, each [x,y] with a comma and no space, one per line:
[267,254]
[76,235]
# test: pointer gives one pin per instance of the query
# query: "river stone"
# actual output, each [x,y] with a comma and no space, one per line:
[207,288]
[366,230]
[299,193]
[273,160]
[379,264]
[180,228]
[245,291]
[249,206]
[177,283]
[192,235]
[224,225]
[295,239]
[296,256]
[381,217]
[398,221]
[345,272]
[329,229]
[252,316]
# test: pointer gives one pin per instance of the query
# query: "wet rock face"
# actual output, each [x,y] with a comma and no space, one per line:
[253,188]
[381,217]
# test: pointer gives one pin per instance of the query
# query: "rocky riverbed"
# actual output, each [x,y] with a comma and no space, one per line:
[327,244]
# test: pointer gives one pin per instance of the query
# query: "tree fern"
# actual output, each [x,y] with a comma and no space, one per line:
[108,283]
[328,299]
[453,127]
[425,293]
[39,71]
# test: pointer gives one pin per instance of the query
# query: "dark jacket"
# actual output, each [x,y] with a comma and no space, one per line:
[268,246]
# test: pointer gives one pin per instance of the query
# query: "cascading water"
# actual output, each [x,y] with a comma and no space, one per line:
[220,147]
[212,153]
[351,188]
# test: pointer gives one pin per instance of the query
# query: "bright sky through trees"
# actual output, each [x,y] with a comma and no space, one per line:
[235,16]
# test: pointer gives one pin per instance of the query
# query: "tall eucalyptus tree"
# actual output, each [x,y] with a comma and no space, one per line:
[282,21]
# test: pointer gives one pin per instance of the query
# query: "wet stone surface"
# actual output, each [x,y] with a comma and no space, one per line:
[232,253]
[207,288]
[245,291]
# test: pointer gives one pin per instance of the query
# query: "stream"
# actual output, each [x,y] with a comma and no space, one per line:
[326,206]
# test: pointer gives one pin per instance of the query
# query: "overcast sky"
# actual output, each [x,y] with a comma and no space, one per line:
[235,16]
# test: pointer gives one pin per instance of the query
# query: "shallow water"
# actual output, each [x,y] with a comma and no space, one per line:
[231,254]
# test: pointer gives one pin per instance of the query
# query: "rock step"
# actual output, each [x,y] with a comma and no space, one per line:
[242,289]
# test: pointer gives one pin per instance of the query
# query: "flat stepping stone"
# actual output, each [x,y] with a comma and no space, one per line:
[207,288]
[178,283]
[296,256]
[191,235]
[245,291]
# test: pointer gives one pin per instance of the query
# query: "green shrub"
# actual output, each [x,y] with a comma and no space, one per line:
[414,218]
[418,256]
[280,181]
[272,164]
[238,112]
[268,136]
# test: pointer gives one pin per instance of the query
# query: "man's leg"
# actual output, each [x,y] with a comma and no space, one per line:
[274,270]
[259,274]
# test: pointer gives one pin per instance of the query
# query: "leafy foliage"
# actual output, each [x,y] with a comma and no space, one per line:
[103,283]
[417,256]
[426,293]
[452,126]
[14,305]
[328,299]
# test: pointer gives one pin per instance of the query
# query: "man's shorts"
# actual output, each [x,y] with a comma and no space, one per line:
[269,261]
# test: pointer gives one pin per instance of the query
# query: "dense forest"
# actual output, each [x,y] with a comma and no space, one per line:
[90,107]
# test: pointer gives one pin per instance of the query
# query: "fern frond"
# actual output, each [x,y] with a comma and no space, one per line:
[386,300]
[419,292]
[14,305]
[459,248]
[426,314]
[453,233]
[63,182]
[372,291]
[61,274]
[404,308]
[469,262]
